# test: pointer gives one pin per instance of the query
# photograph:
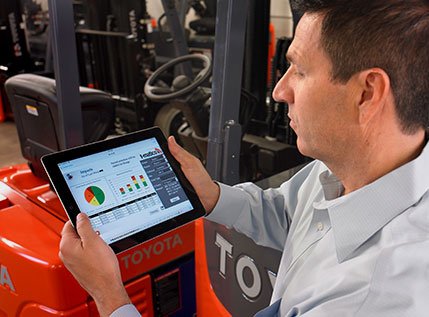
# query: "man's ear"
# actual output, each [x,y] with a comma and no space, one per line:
[374,84]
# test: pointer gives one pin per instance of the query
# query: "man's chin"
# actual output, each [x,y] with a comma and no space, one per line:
[304,149]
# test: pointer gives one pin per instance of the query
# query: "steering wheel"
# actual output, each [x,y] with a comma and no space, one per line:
[182,85]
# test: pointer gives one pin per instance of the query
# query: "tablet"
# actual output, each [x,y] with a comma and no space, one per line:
[131,187]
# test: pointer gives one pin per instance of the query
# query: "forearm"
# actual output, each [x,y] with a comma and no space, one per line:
[111,300]
[260,215]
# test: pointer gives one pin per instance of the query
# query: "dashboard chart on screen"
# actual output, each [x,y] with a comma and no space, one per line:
[131,186]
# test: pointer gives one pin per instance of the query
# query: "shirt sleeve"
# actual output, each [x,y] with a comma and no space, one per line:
[128,310]
[262,215]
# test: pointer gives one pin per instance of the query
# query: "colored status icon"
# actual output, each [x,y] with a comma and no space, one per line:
[143,180]
[94,195]
[135,182]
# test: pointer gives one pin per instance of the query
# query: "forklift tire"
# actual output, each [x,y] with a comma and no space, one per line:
[169,119]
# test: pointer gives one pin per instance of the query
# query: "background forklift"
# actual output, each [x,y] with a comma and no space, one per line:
[51,115]
[233,275]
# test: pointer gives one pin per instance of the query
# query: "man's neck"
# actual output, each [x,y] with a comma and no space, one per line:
[375,159]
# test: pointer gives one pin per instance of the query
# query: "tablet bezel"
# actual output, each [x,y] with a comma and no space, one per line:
[51,161]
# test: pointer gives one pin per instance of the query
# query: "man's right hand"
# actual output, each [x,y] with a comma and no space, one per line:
[94,265]
[207,190]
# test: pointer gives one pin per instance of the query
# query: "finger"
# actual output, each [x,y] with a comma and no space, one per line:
[84,228]
[174,148]
[180,154]
[69,239]
[68,230]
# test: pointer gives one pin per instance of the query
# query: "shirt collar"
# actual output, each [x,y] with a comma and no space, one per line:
[356,217]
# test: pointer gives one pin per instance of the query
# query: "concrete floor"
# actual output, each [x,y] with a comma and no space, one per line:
[10,152]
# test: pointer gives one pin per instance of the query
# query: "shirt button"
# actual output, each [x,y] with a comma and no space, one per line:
[320,226]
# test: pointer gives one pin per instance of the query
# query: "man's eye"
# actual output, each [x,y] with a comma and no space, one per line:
[295,71]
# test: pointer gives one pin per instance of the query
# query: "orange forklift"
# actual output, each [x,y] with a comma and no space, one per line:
[200,269]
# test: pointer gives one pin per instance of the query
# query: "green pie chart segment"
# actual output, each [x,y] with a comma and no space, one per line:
[94,196]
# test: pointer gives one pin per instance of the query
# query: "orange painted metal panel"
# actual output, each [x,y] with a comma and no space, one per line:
[208,305]
[34,282]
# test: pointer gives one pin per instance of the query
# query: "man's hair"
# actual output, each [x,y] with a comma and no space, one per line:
[390,34]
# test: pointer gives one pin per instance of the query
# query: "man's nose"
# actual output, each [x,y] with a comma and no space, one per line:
[283,91]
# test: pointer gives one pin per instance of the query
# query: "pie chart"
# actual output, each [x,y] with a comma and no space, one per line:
[94,195]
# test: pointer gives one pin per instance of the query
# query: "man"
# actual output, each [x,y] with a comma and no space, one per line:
[353,224]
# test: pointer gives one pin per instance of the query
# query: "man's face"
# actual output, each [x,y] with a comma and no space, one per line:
[321,111]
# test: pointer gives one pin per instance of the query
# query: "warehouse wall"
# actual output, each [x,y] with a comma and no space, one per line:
[281,15]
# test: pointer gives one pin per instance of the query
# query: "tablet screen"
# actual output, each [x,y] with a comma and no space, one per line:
[126,189]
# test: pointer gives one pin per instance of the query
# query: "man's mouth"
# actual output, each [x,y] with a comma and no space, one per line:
[291,122]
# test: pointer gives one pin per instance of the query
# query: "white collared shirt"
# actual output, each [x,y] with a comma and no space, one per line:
[361,254]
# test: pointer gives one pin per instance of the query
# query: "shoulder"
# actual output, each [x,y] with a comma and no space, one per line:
[400,281]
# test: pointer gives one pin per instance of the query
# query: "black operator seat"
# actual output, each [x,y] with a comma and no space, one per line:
[33,100]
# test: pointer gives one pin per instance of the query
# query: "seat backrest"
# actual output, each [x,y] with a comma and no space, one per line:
[33,100]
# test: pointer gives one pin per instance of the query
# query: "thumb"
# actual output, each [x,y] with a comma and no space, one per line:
[174,148]
[185,158]
[69,231]
[84,228]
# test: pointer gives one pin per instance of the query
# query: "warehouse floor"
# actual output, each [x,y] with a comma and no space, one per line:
[10,152]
